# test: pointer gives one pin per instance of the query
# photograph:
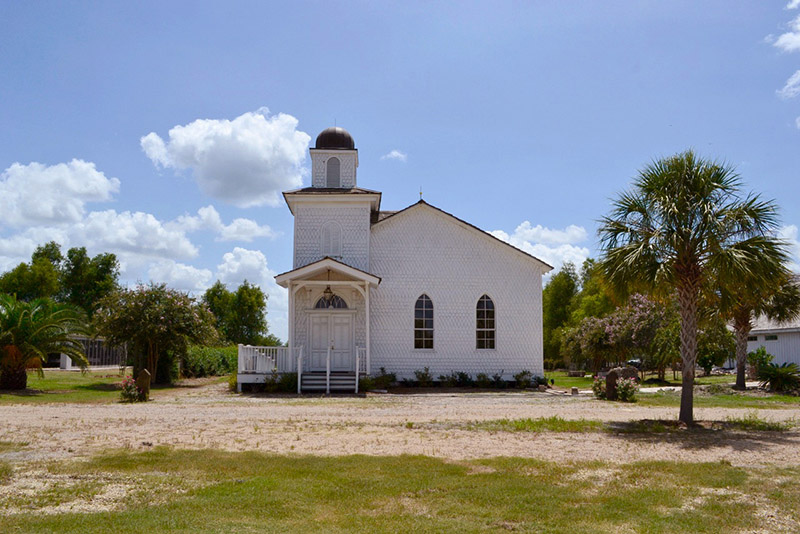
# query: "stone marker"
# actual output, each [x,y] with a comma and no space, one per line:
[143,383]
[574,391]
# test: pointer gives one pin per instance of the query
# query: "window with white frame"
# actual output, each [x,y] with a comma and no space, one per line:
[331,240]
[484,323]
[423,323]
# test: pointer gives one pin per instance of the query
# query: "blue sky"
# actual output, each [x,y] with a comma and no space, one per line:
[162,131]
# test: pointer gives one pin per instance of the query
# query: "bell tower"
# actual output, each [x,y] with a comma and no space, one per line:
[334,160]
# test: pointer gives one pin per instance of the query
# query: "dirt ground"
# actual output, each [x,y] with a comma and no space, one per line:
[382,424]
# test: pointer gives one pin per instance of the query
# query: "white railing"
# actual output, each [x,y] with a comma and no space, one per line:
[361,363]
[263,360]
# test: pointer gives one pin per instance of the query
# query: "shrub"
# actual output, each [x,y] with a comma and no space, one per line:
[626,389]
[366,383]
[523,379]
[482,380]
[384,379]
[784,377]
[449,381]
[599,387]
[424,377]
[759,358]
[233,381]
[498,382]
[130,391]
[202,361]
[464,380]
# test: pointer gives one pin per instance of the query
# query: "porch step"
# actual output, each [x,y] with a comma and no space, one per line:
[339,382]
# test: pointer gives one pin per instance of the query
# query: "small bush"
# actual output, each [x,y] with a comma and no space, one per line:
[599,387]
[202,361]
[784,377]
[626,389]
[424,377]
[464,380]
[130,391]
[280,383]
[366,383]
[448,381]
[483,381]
[233,381]
[498,382]
[384,380]
[524,379]
[759,358]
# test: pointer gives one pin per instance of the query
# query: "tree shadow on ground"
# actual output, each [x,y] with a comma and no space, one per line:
[701,435]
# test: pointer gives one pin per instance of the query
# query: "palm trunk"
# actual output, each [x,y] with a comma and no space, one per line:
[688,290]
[13,378]
[741,325]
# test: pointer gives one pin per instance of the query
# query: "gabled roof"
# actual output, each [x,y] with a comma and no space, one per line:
[339,190]
[392,215]
[326,263]
[763,324]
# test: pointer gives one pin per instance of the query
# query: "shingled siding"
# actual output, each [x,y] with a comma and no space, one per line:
[425,251]
[347,171]
[354,221]
[785,349]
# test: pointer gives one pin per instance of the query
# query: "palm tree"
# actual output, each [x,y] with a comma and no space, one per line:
[29,331]
[742,300]
[682,224]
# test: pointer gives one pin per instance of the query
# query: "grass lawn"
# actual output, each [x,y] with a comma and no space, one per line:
[70,386]
[721,400]
[582,382]
[212,491]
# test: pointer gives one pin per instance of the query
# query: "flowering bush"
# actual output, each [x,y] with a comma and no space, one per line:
[130,391]
[626,389]
[599,387]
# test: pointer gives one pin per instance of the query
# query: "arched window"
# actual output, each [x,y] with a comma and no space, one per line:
[334,301]
[423,323]
[484,325]
[332,176]
[331,240]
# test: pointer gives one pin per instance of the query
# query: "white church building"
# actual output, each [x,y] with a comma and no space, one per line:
[398,290]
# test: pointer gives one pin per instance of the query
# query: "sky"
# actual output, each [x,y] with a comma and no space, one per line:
[164,132]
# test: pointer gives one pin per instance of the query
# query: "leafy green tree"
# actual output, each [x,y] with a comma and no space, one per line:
[29,331]
[556,302]
[715,345]
[155,322]
[683,224]
[29,281]
[596,298]
[85,281]
[77,279]
[241,315]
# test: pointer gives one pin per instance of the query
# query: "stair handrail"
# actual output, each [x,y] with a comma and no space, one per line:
[328,372]
[300,370]
[358,353]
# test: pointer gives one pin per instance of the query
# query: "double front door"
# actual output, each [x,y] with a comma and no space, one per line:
[334,331]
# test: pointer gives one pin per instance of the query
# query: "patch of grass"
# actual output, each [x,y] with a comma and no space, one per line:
[11,446]
[5,472]
[542,424]
[732,400]
[752,421]
[564,381]
[70,386]
[246,492]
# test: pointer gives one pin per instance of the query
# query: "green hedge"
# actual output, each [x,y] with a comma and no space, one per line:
[210,361]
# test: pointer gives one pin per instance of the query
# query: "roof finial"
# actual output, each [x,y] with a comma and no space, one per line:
[420,192]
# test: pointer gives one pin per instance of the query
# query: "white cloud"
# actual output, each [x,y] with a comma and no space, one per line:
[242,264]
[208,218]
[792,87]
[395,154]
[553,246]
[790,235]
[37,194]
[790,41]
[540,234]
[180,276]
[793,4]
[797,122]
[246,161]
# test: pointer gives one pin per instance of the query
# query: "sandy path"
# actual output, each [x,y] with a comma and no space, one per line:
[211,417]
